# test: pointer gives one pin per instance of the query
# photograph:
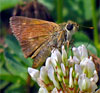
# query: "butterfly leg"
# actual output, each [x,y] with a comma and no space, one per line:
[72,43]
[68,43]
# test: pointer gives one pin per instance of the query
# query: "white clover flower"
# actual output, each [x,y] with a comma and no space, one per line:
[54,90]
[71,61]
[44,74]
[95,77]
[76,60]
[43,90]
[78,69]
[83,52]
[67,75]
[63,69]
[34,73]
[88,67]
[76,52]
[84,82]
[93,86]
[51,75]
[64,55]
[71,85]
[48,62]
[56,57]
[80,52]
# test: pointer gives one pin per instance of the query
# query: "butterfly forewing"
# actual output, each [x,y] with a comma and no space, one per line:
[32,33]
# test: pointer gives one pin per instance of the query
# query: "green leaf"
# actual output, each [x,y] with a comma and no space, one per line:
[5,75]
[2,60]
[16,88]
[5,4]
[3,84]
[80,36]
[16,68]
[14,45]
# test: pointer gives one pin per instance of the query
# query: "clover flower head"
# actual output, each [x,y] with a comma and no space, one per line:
[66,75]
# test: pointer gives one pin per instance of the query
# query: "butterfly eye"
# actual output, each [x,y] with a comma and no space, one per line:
[69,26]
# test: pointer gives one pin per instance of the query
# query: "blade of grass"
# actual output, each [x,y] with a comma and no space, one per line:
[94,18]
[59,10]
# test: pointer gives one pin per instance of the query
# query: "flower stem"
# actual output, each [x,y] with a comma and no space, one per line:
[59,10]
[94,17]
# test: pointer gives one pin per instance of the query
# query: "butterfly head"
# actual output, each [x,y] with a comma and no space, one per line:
[70,28]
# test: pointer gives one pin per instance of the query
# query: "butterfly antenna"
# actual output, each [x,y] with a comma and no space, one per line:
[87,27]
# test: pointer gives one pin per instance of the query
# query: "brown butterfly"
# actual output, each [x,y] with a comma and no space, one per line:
[38,37]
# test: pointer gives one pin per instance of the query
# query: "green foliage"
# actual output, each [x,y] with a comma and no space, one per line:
[76,10]
[5,4]
[13,66]
[16,88]
[88,9]
[3,84]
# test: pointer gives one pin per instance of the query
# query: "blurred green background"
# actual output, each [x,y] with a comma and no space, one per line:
[13,66]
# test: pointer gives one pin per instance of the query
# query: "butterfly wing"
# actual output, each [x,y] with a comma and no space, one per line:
[32,33]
